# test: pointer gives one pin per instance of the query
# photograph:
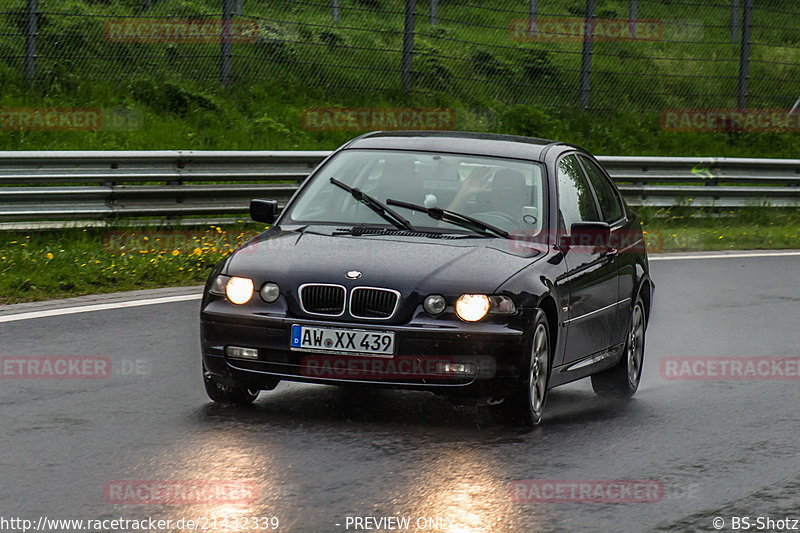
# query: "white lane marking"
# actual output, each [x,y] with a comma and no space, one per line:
[188,297]
[98,307]
[743,255]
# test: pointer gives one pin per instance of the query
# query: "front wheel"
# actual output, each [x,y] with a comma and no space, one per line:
[222,393]
[622,380]
[527,405]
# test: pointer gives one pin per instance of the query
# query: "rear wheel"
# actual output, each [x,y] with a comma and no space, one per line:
[222,393]
[622,380]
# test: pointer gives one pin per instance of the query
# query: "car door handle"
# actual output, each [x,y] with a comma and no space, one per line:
[611,253]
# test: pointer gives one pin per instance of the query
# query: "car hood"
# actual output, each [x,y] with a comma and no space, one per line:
[424,264]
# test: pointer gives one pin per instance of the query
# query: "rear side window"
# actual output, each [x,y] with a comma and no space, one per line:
[575,200]
[610,202]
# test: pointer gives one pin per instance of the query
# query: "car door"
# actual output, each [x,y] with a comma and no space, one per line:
[612,212]
[591,275]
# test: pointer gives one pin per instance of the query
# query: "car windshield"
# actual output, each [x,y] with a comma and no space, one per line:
[504,193]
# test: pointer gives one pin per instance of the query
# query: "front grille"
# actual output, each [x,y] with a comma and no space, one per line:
[366,302]
[322,299]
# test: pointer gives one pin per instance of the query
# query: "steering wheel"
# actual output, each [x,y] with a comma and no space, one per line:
[499,219]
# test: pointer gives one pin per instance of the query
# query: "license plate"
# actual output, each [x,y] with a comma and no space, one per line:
[334,340]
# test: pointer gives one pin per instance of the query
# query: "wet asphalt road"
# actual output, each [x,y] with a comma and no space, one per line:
[319,454]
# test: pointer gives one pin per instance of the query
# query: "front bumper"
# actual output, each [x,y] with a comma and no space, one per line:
[487,354]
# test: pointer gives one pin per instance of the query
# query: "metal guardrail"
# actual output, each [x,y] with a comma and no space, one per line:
[175,184]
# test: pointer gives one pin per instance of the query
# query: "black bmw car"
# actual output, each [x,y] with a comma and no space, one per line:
[486,268]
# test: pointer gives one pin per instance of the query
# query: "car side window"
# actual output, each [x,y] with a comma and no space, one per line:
[607,197]
[575,200]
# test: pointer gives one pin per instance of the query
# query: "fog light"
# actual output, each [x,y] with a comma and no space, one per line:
[434,304]
[270,292]
[241,353]
[456,368]
[472,307]
[239,290]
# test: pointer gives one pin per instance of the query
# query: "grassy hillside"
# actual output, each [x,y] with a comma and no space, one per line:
[299,58]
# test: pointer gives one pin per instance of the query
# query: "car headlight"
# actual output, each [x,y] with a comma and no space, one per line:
[472,307]
[270,292]
[501,305]
[239,290]
[218,285]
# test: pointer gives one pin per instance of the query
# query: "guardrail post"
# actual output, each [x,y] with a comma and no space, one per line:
[408,44]
[31,30]
[586,55]
[226,42]
[744,58]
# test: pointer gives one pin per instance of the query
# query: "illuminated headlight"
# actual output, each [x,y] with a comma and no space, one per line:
[501,305]
[472,307]
[270,292]
[239,290]
[434,304]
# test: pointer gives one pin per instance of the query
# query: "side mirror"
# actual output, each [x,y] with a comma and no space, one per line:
[591,236]
[264,210]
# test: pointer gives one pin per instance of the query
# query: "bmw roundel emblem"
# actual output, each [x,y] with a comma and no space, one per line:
[353,274]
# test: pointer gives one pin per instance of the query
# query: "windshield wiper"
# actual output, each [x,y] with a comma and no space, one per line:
[376,205]
[455,218]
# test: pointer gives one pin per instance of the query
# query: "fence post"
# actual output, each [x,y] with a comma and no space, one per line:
[336,12]
[32,14]
[586,55]
[434,12]
[533,16]
[226,42]
[633,14]
[744,58]
[408,44]
[734,20]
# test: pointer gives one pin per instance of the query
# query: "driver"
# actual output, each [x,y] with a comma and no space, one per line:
[508,191]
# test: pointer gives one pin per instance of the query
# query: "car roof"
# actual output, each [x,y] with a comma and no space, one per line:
[489,144]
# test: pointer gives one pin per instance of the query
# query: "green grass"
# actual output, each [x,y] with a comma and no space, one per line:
[467,62]
[687,229]
[57,264]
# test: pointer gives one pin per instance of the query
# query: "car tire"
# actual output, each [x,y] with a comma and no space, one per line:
[526,406]
[222,393]
[622,380]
